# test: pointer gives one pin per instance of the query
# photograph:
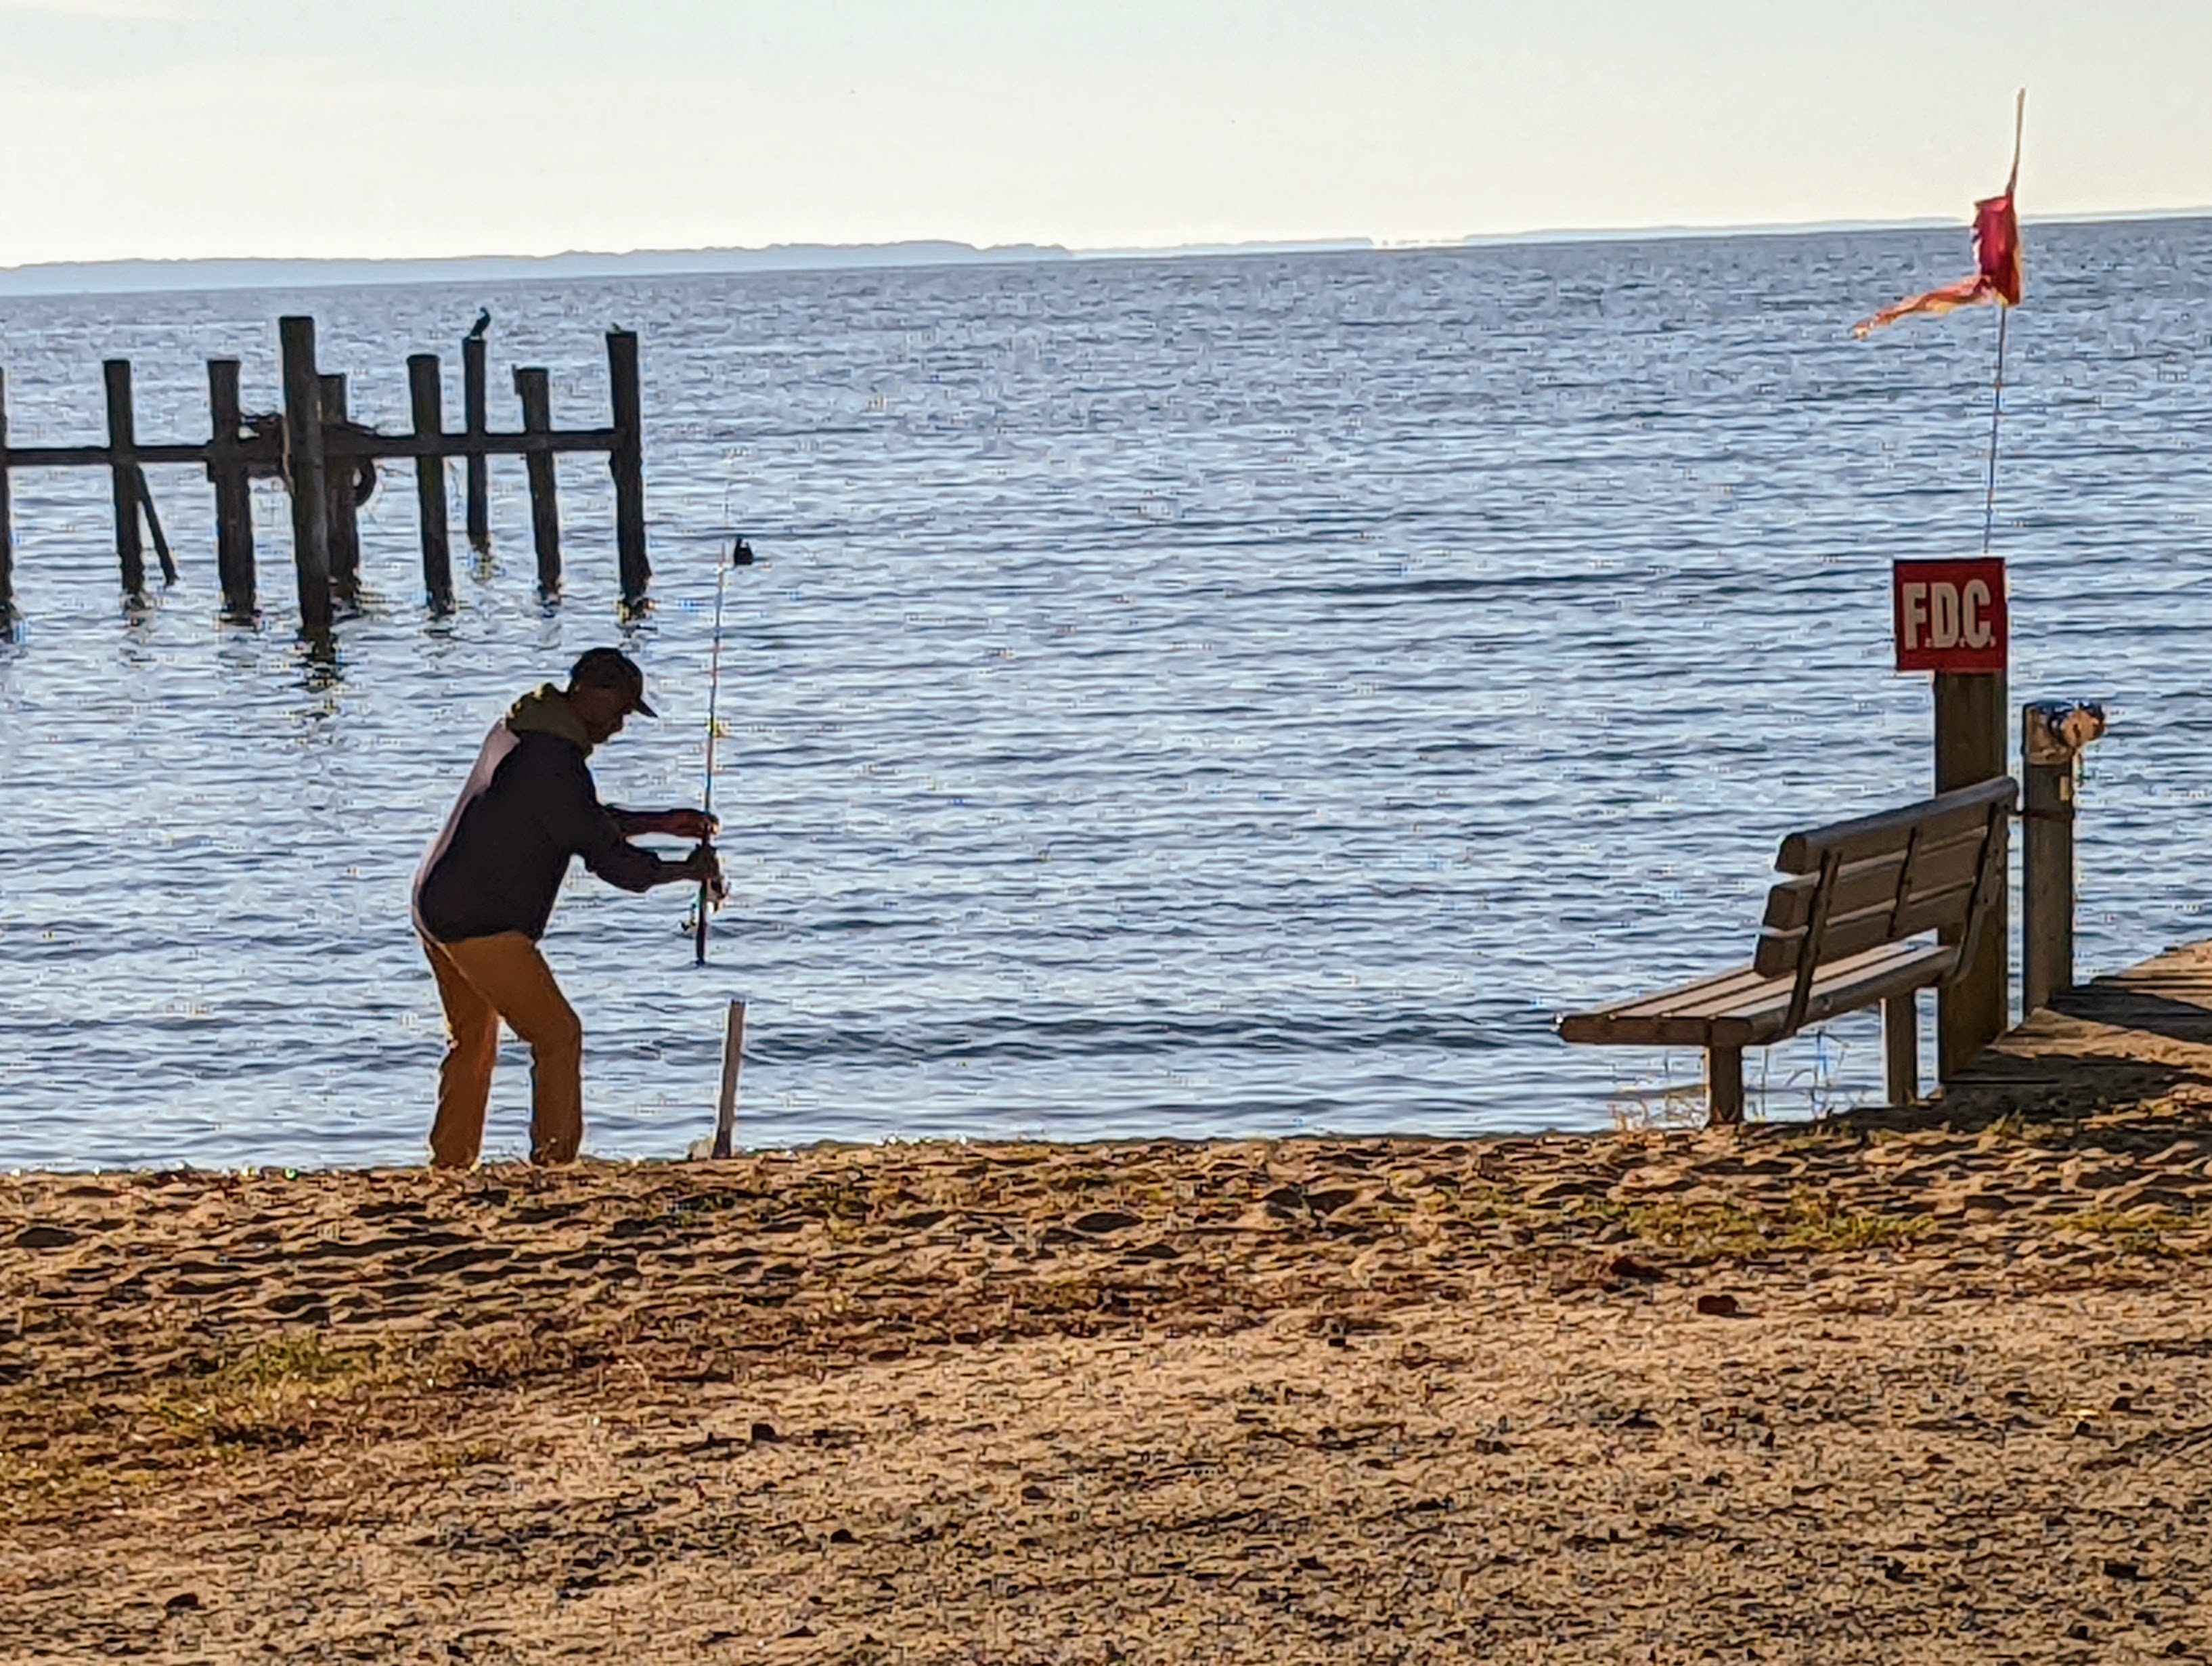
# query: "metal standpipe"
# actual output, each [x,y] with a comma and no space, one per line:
[2052,733]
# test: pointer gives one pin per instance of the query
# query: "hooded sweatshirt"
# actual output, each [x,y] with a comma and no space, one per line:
[527,807]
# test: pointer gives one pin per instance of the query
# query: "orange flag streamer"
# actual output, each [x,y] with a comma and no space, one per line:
[1996,256]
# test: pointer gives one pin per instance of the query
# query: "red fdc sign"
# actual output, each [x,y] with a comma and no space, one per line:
[1950,614]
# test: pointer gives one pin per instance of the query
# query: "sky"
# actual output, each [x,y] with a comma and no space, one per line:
[407,129]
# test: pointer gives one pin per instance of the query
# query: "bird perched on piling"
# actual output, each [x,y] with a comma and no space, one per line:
[484,323]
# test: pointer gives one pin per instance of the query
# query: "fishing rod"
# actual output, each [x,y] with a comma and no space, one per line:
[741,554]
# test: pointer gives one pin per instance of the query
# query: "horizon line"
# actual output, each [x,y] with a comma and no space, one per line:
[949,251]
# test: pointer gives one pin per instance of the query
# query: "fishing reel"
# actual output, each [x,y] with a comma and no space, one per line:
[710,895]
[691,923]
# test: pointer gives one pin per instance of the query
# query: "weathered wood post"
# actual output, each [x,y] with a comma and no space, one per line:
[473,420]
[339,471]
[233,496]
[154,528]
[122,474]
[7,527]
[234,499]
[627,462]
[545,509]
[734,1061]
[2051,736]
[424,397]
[1950,618]
[1971,744]
[304,472]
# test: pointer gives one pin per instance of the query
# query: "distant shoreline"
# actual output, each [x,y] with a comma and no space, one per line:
[105,277]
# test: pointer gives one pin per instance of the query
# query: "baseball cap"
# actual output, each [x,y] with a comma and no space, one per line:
[610,668]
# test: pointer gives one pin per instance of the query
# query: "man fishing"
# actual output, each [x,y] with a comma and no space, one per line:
[486,888]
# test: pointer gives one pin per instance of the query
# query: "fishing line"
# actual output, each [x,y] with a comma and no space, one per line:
[710,894]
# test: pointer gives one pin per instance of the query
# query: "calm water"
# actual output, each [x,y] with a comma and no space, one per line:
[1206,695]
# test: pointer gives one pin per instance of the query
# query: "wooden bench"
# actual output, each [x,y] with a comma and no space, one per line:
[1846,928]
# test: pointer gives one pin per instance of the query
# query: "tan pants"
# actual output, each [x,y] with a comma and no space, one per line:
[482,980]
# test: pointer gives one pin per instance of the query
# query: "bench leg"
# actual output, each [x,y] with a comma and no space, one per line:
[1724,1085]
[1900,1046]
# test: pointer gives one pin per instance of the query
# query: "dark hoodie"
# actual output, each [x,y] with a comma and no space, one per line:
[527,807]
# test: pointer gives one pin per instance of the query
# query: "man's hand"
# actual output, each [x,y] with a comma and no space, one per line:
[703,867]
[684,823]
[672,823]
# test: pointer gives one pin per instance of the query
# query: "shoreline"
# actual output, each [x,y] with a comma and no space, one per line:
[122,277]
[1913,1385]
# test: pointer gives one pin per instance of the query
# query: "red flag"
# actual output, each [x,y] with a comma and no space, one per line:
[1996,257]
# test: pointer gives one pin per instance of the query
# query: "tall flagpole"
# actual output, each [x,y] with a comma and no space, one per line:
[2004,315]
[1971,707]
[1996,410]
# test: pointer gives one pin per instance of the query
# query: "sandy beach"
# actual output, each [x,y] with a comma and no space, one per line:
[1924,1386]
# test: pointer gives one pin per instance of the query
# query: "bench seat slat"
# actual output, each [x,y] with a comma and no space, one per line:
[1739,1008]
[1666,1002]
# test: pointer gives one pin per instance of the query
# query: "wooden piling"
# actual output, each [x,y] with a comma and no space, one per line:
[2051,736]
[627,462]
[425,397]
[2046,879]
[233,501]
[123,475]
[325,460]
[7,523]
[473,420]
[154,528]
[1971,737]
[544,506]
[338,485]
[303,438]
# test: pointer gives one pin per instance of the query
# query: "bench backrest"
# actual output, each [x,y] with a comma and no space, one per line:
[1936,865]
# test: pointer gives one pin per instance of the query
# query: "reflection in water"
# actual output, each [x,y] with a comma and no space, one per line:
[1224,695]
[321,661]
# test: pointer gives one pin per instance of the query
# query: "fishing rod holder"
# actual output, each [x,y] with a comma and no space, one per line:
[2052,734]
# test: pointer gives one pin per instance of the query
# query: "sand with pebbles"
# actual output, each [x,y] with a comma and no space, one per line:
[1925,1386]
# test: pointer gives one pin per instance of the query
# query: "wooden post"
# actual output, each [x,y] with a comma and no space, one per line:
[338,478]
[2051,736]
[1724,1085]
[154,528]
[7,527]
[1970,748]
[424,395]
[545,509]
[725,1104]
[1900,1043]
[234,500]
[2047,882]
[122,474]
[627,462]
[473,419]
[303,446]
